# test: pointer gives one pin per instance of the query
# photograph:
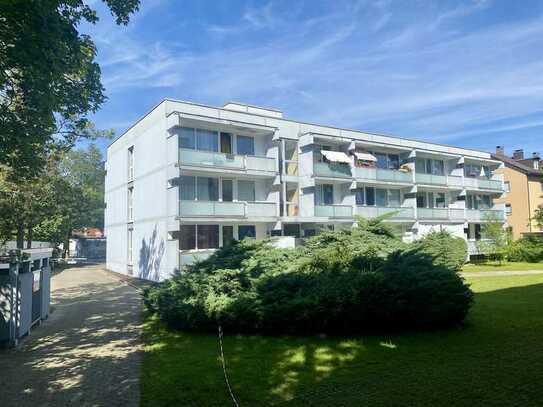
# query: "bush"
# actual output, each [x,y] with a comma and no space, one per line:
[340,282]
[444,249]
[528,249]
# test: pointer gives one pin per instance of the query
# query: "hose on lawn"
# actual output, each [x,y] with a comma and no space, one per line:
[224,369]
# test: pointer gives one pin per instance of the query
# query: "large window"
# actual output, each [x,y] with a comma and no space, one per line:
[246,191]
[245,145]
[199,237]
[200,188]
[199,139]
[187,138]
[478,201]
[431,200]
[477,171]
[324,194]
[387,161]
[429,166]
[371,196]
[246,231]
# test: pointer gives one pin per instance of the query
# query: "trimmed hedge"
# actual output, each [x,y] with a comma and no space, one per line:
[340,282]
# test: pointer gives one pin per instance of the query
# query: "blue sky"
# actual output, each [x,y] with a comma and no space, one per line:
[466,73]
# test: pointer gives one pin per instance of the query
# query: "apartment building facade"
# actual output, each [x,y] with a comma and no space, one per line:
[523,183]
[189,178]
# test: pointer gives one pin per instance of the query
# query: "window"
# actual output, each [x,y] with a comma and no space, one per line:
[227,235]
[130,245]
[370,196]
[394,198]
[226,143]
[187,138]
[291,229]
[508,209]
[206,140]
[438,167]
[246,191]
[507,185]
[429,166]
[246,145]
[207,189]
[381,160]
[474,231]
[479,201]
[246,231]
[381,195]
[207,236]
[187,188]
[131,163]
[387,161]
[431,200]
[130,199]
[421,200]
[359,196]
[227,190]
[440,200]
[187,238]
[393,161]
[324,194]
[317,156]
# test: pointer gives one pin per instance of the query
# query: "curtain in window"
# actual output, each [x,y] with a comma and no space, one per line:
[381,160]
[208,189]
[246,145]
[440,200]
[438,167]
[328,194]
[208,236]
[393,161]
[187,188]
[187,138]
[486,202]
[246,191]
[207,140]
[187,237]
[394,198]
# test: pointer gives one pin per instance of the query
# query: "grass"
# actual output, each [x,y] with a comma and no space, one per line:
[505,266]
[496,359]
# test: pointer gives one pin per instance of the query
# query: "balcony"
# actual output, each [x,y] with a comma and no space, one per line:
[440,214]
[332,170]
[380,174]
[334,211]
[227,209]
[375,211]
[482,215]
[217,160]
[483,183]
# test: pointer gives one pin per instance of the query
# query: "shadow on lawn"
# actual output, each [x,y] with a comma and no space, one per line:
[493,360]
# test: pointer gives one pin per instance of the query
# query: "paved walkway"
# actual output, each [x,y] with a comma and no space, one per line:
[501,273]
[86,354]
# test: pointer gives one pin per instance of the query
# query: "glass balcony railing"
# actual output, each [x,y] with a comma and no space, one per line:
[375,211]
[483,183]
[333,170]
[477,215]
[211,208]
[380,174]
[229,161]
[430,179]
[433,213]
[261,209]
[334,211]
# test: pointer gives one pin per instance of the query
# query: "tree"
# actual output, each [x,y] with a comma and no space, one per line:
[49,80]
[495,239]
[538,216]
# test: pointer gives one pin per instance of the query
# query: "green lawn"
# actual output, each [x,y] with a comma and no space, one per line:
[506,266]
[497,359]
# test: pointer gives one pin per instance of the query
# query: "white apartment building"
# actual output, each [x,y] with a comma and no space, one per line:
[188,178]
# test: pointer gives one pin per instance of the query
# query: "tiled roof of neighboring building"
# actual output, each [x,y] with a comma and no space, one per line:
[519,166]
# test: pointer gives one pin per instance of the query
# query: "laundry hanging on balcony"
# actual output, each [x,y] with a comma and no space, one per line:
[365,156]
[336,156]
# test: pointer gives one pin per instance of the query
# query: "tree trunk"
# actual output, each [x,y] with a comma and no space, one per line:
[20,235]
[29,237]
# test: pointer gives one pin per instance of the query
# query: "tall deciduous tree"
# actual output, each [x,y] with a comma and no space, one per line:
[49,79]
[538,216]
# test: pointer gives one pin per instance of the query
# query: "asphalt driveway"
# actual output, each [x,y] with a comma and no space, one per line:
[86,354]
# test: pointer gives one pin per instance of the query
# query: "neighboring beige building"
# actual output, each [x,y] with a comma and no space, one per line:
[523,178]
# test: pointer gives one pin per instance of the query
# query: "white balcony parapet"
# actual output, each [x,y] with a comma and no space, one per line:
[226,161]
[335,170]
[441,214]
[483,183]
[430,179]
[334,211]
[482,215]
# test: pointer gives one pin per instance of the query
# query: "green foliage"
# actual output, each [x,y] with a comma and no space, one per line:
[49,80]
[538,216]
[528,249]
[495,239]
[444,249]
[346,281]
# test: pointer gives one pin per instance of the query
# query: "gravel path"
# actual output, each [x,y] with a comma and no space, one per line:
[501,273]
[86,354]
